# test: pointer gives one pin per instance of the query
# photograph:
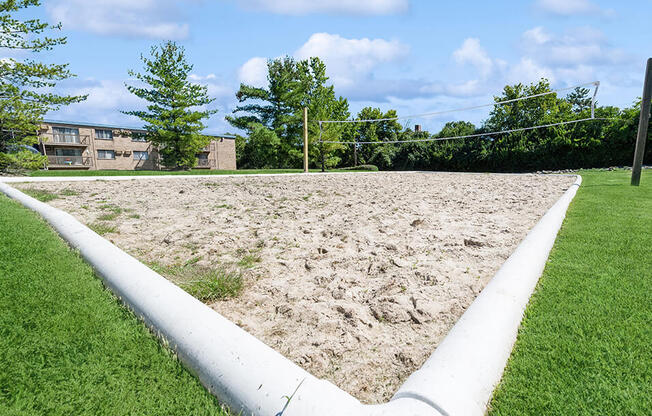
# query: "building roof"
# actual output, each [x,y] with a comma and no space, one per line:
[112,126]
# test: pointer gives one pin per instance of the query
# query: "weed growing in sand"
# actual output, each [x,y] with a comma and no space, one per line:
[111,207]
[108,216]
[192,246]
[225,206]
[41,194]
[204,283]
[103,228]
[69,192]
[134,216]
[248,261]
[306,197]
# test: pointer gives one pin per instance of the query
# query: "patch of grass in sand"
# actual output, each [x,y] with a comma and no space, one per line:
[110,216]
[103,228]
[249,260]
[224,206]
[111,207]
[584,345]
[134,216]
[204,283]
[68,192]
[67,346]
[41,194]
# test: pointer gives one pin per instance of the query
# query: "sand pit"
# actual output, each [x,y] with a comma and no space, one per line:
[354,277]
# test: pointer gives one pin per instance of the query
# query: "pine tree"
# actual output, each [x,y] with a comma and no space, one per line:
[172,121]
[293,85]
[23,101]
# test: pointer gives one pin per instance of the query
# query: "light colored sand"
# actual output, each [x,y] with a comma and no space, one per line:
[361,275]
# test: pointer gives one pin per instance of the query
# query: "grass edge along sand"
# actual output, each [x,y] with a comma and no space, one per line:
[584,344]
[67,346]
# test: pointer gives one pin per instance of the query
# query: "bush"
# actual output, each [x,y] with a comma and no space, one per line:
[369,168]
[22,160]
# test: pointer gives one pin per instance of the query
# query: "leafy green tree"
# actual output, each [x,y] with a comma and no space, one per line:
[173,122]
[381,155]
[293,85]
[580,99]
[520,150]
[24,98]
[260,150]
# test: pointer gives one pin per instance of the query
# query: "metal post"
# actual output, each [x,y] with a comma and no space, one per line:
[305,139]
[321,147]
[643,122]
[355,154]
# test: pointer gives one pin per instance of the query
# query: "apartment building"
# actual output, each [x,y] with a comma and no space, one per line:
[96,146]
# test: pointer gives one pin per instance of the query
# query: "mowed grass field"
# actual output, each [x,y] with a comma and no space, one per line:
[585,345]
[64,172]
[67,346]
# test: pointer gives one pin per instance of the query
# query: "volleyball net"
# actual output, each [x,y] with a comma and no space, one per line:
[594,84]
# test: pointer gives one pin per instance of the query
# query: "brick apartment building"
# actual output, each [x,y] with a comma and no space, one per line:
[96,146]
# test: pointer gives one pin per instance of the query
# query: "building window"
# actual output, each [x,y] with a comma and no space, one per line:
[141,155]
[105,154]
[65,135]
[103,134]
[138,137]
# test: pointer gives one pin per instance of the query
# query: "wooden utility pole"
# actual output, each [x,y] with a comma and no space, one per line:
[305,139]
[643,123]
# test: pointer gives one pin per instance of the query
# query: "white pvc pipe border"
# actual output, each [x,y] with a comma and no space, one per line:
[247,375]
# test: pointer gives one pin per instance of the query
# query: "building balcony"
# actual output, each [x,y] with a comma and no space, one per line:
[68,140]
[79,162]
[205,163]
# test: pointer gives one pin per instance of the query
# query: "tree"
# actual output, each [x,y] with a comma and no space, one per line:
[580,99]
[23,101]
[521,150]
[387,130]
[293,85]
[260,151]
[172,122]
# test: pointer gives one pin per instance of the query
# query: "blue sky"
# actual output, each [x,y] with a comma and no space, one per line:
[414,56]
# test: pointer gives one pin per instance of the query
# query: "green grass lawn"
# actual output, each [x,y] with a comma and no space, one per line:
[585,345]
[64,172]
[67,346]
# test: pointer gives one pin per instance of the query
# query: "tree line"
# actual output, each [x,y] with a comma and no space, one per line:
[271,117]
[272,120]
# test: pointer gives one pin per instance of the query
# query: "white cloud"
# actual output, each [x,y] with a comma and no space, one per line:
[132,18]
[196,77]
[572,7]
[471,52]
[527,71]
[106,98]
[254,72]
[580,46]
[350,60]
[348,7]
